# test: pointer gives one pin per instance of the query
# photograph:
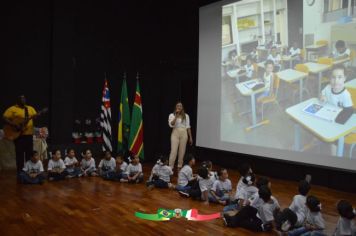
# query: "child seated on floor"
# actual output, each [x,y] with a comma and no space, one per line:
[87,164]
[259,216]
[133,171]
[298,204]
[161,175]
[205,184]
[186,179]
[56,167]
[314,223]
[244,169]
[242,197]
[212,174]
[346,224]
[222,188]
[107,165]
[32,172]
[119,171]
[72,164]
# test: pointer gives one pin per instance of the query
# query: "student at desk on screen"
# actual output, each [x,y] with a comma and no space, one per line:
[336,94]
[341,52]
[267,79]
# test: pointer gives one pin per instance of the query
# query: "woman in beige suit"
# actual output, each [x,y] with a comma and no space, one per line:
[181,133]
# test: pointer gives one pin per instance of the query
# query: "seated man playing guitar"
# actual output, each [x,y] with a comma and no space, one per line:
[19,128]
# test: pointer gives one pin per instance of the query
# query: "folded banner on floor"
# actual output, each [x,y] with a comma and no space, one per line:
[164,215]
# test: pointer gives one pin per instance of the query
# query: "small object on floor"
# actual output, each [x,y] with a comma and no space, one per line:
[123,181]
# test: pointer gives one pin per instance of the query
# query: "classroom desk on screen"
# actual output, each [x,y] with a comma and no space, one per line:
[325,130]
[236,73]
[290,59]
[291,76]
[245,91]
[340,61]
[313,48]
[317,68]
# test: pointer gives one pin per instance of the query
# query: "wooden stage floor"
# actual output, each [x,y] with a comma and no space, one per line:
[92,206]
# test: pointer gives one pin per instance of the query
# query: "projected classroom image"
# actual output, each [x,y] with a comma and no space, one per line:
[289,78]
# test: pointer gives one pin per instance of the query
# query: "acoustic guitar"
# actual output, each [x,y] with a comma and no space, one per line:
[12,132]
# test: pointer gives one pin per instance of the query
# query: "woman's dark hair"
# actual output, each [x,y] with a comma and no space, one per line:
[313,203]
[345,209]
[265,193]
[188,157]
[262,181]
[34,153]
[304,187]
[203,172]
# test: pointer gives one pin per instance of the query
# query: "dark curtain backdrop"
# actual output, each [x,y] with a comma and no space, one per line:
[57,51]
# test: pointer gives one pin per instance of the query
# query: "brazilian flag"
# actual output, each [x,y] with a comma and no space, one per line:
[124,121]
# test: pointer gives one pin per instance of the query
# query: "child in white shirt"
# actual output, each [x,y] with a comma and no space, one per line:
[314,223]
[249,69]
[32,172]
[276,58]
[161,175]
[346,224]
[267,80]
[256,217]
[298,204]
[205,184]
[134,171]
[107,165]
[119,171]
[87,164]
[336,94]
[56,167]
[185,176]
[72,164]
[221,189]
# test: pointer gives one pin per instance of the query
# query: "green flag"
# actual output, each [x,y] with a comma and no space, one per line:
[136,129]
[124,121]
